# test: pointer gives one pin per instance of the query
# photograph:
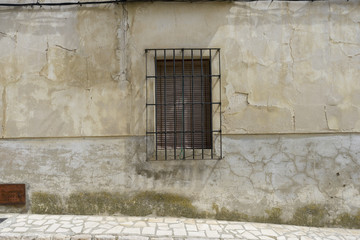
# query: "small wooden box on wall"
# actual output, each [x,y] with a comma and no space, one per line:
[12,194]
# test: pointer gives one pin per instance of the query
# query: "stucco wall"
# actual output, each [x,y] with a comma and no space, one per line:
[258,173]
[62,72]
[287,67]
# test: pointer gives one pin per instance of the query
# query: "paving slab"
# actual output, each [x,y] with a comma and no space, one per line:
[70,227]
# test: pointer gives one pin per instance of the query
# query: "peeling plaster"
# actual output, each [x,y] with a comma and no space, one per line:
[12,37]
[286,68]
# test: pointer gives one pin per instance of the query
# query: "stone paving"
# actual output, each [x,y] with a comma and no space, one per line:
[69,227]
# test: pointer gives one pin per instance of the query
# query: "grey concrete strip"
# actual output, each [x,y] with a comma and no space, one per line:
[69,227]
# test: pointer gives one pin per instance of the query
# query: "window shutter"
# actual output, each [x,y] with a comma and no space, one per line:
[183,104]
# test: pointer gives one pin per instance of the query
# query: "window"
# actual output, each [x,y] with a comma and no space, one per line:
[183,112]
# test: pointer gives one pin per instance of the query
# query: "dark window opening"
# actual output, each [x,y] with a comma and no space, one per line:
[183,98]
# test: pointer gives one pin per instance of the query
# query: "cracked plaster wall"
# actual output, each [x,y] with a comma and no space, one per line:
[287,67]
[62,72]
[256,174]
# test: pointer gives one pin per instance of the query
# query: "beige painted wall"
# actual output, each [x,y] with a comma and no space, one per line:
[287,67]
[61,72]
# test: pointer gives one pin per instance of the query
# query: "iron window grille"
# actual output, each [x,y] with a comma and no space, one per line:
[183,104]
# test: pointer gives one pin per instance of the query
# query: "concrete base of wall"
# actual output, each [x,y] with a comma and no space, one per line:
[260,175]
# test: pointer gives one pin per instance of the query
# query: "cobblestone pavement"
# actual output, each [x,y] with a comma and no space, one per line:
[69,227]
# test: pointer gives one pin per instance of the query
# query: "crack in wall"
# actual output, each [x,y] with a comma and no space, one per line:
[326,118]
[121,50]
[309,158]
[292,75]
[291,52]
[342,42]
[4,106]
[124,26]
[67,49]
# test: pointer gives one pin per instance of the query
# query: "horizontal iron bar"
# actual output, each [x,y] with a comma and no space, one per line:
[171,148]
[186,159]
[185,103]
[176,132]
[180,76]
[177,49]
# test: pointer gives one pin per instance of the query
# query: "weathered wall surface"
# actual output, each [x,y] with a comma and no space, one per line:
[62,73]
[257,174]
[287,67]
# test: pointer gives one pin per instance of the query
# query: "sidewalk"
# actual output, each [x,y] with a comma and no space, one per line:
[69,227]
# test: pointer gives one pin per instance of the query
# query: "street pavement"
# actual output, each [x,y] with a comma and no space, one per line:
[70,227]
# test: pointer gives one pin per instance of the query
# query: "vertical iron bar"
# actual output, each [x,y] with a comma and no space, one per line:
[146,100]
[211,105]
[202,106]
[183,104]
[220,105]
[192,99]
[156,106]
[175,128]
[165,103]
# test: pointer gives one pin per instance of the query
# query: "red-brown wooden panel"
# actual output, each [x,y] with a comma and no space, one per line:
[12,194]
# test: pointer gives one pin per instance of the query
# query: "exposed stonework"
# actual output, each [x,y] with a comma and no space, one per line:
[47,227]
